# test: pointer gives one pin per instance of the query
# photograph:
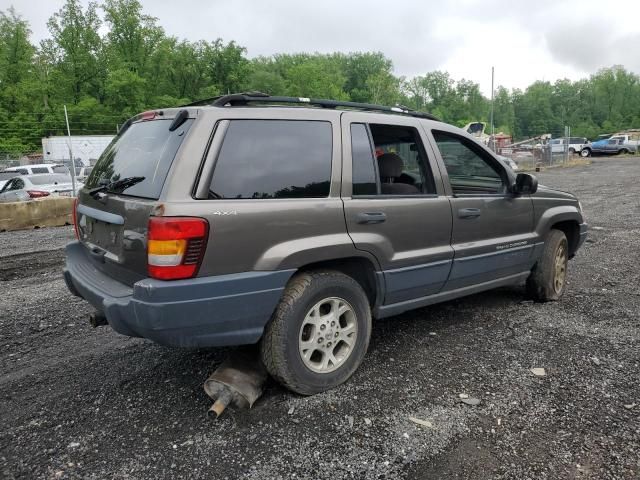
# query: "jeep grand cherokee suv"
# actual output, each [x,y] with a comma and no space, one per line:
[293,222]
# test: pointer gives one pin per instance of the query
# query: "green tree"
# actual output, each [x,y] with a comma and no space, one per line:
[78,47]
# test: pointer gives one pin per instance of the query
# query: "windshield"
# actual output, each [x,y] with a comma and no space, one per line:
[145,149]
[49,179]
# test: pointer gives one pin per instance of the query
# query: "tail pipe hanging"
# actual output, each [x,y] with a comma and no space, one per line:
[239,382]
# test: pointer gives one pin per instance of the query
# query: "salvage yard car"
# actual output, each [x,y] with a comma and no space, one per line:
[292,222]
[615,145]
[26,187]
[6,176]
[39,168]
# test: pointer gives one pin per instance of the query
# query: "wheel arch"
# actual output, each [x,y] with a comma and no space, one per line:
[566,218]
[361,269]
[571,230]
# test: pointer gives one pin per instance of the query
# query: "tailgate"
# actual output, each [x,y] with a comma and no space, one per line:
[116,234]
[123,190]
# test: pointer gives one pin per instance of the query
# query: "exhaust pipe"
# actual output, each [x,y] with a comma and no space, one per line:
[239,381]
[97,319]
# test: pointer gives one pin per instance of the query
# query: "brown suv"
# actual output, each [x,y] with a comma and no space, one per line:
[292,222]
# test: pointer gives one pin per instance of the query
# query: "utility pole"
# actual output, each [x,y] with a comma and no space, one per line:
[73,163]
[493,138]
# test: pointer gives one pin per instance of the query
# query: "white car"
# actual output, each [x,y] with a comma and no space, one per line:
[27,187]
[6,176]
[38,168]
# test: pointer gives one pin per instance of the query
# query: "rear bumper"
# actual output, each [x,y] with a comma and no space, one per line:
[200,312]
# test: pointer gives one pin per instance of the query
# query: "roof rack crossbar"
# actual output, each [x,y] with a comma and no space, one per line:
[243,99]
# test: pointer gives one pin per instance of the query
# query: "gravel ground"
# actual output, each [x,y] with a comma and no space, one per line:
[78,402]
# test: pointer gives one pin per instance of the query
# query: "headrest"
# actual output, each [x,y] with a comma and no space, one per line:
[390,165]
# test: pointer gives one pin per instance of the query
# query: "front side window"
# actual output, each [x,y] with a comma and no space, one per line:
[274,159]
[397,162]
[470,172]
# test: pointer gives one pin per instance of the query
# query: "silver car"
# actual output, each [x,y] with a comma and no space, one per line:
[27,187]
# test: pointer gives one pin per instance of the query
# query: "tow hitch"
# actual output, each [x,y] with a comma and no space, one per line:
[239,381]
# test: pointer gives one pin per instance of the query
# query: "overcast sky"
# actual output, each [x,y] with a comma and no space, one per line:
[525,40]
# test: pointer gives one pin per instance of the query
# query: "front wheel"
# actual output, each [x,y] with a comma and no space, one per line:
[548,278]
[585,152]
[319,333]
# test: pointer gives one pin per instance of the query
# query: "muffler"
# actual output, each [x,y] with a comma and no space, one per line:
[239,381]
[97,319]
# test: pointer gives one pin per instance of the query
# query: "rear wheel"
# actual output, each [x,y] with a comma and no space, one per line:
[319,333]
[624,151]
[585,152]
[548,278]
[572,151]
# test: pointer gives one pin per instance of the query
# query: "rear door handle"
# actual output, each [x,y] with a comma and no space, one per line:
[469,213]
[371,218]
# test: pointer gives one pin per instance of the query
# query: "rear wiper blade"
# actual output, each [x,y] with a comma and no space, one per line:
[117,186]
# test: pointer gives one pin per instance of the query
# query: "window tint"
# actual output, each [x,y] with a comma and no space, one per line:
[145,149]
[402,162]
[469,172]
[274,159]
[363,169]
[40,170]
[60,169]
[18,184]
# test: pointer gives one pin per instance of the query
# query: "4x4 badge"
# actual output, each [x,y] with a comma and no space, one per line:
[224,212]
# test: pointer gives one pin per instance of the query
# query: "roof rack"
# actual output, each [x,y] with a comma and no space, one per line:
[243,99]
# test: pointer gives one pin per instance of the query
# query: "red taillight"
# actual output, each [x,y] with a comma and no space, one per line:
[175,246]
[37,193]
[75,218]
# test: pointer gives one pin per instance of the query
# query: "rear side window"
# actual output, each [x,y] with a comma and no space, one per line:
[274,159]
[39,170]
[364,171]
[145,149]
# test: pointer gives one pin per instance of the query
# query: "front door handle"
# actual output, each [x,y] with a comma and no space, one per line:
[469,213]
[371,218]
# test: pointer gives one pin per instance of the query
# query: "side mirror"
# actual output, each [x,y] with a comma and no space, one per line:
[526,184]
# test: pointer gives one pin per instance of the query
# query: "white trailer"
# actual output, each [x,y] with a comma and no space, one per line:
[86,148]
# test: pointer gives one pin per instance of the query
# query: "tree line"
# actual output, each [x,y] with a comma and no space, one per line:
[135,65]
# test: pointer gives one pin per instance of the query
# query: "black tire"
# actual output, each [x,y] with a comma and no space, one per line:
[585,152]
[624,151]
[543,284]
[572,151]
[280,348]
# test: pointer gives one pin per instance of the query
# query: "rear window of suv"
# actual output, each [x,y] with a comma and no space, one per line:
[145,149]
[274,159]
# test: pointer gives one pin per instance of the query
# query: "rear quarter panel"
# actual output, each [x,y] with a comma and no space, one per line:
[266,234]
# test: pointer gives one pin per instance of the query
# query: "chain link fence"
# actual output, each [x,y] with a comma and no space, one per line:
[547,150]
